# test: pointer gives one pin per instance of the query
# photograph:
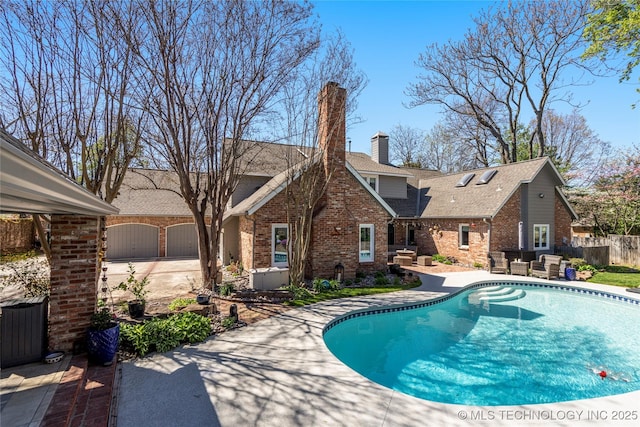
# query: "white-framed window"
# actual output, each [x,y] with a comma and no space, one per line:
[372,180]
[463,235]
[540,236]
[280,245]
[366,243]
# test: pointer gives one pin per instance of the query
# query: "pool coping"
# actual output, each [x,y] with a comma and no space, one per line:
[278,372]
[477,285]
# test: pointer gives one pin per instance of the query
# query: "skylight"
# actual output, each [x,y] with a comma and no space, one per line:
[486,177]
[465,179]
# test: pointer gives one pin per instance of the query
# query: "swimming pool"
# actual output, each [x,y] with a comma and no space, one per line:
[497,344]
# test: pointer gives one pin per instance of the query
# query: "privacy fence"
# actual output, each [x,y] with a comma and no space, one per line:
[614,249]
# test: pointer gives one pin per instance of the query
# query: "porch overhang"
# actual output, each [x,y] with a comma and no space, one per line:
[30,185]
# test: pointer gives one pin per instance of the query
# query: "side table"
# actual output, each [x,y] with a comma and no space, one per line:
[519,268]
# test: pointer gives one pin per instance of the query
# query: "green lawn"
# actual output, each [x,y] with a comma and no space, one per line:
[347,292]
[617,276]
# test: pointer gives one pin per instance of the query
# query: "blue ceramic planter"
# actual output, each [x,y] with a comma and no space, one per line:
[102,346]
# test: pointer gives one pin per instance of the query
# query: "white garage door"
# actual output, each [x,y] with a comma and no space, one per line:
[182,241]
[129,241]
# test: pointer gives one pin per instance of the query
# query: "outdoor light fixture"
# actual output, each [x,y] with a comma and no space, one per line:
[338,272]
[541,195]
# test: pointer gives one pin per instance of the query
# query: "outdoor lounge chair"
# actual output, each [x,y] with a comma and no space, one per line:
[548,267]
[498,263]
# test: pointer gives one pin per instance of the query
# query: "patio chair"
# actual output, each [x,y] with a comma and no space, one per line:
[547,267]
[498,263]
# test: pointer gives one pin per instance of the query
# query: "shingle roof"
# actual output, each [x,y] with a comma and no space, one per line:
[278,183]
[440,198]
[362,163]
[151,192]
[269,159]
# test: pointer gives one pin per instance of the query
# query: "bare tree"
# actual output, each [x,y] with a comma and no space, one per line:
[577,151]
[407,146]
[510,64]
[210,72]
[65,88]
[306,176]
[447,152]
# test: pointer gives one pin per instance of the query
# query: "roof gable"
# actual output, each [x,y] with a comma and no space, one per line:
[439,197]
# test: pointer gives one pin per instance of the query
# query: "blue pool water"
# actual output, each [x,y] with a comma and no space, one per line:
[499,345]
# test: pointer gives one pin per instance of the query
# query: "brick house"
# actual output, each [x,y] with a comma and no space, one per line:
[28,184]
[518,208]
[349,225]
[350,222]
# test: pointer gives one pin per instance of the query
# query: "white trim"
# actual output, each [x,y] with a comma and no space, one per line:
[368,177]
[372,237]
[460,245]
[377,196]
[548,234]
[275,263]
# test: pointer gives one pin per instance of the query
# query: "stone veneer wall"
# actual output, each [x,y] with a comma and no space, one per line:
[75,245]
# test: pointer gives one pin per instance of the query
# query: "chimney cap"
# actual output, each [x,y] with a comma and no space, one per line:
[380,134]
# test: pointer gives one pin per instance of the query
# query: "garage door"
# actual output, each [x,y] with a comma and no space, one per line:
[182,241]
[128,241]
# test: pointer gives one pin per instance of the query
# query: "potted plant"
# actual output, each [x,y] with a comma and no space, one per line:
[139,291]
[102,337]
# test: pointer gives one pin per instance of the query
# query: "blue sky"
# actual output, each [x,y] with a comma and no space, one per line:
[387,38]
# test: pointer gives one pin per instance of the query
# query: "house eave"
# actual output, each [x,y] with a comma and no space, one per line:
[29,185]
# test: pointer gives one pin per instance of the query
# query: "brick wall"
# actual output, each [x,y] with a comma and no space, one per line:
[442,237]
[75,242]
[562,223]
[504,231]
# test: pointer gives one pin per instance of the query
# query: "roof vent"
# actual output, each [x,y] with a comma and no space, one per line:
[486,177]
[465,179]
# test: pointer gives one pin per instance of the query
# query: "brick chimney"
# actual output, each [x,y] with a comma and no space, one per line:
[332,126]
[380,148]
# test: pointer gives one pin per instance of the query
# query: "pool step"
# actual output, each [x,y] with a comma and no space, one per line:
[496,294]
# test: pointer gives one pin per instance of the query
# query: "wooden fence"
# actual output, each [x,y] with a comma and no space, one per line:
[614,249]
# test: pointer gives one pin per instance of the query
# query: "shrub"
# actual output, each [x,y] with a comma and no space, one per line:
[30,273]
[439,258]
[227,289]
[164,334]
[298,292]
[135,286]
[477,265]
[382,281]
[179,303]
[577,262]
[228,322]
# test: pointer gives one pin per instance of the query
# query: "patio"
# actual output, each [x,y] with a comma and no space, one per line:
[279,372]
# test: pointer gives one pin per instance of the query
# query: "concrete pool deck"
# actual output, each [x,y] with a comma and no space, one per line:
[278,372]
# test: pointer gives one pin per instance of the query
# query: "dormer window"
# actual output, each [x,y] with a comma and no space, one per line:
[372,181]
